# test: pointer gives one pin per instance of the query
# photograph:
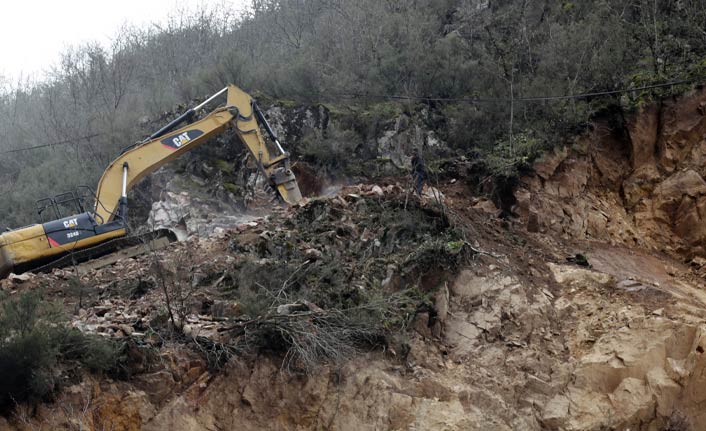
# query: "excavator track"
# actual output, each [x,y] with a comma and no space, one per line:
[137,244]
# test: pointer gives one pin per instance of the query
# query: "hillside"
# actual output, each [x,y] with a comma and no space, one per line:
[550,276]
[373,309]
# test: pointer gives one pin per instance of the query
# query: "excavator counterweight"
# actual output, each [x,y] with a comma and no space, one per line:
[36,245]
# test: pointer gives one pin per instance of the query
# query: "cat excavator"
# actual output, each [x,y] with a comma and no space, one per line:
[102,227]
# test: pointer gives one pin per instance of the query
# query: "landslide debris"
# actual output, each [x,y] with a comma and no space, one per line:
[372,309]
[218,185]
[311,287]
[341,252]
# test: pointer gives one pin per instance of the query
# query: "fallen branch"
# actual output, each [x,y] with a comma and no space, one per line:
[482,252]
[306,334]
[286,282]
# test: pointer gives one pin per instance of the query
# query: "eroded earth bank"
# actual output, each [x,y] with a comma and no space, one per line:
[371,309]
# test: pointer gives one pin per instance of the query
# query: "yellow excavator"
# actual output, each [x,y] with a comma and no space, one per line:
[40,245]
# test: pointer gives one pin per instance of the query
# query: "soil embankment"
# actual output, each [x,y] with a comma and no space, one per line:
[507,333]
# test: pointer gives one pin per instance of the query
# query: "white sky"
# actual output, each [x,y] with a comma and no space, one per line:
[33,33]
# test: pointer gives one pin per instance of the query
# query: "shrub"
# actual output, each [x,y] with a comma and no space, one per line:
[27,354]
[35,347]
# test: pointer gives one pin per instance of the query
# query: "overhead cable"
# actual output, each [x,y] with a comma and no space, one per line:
[517,99]
[51,144]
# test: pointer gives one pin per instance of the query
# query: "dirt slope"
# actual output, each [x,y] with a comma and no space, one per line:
[514,335]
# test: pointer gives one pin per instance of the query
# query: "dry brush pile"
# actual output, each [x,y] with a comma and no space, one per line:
[336,276]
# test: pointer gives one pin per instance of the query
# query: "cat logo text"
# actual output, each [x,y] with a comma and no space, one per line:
[180,140]
[68,224]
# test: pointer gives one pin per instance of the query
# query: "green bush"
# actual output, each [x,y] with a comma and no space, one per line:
[506,160]
[95,353]
[35,347]
[27,354]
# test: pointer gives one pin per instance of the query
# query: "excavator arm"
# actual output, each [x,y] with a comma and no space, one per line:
[240,113]
[36,245]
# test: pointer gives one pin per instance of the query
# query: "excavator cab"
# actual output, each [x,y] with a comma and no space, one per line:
[65,204]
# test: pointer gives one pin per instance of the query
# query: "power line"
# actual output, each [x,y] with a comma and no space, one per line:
[52,144]
[517,99]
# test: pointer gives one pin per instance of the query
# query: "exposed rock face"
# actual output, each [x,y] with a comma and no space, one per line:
[364,395]
[397,141]
[294,123]
[502,354]
[634,365]
[640,184]
[639,377]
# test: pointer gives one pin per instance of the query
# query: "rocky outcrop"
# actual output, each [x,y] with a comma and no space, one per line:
[405,134]
[643,370]
[639,183]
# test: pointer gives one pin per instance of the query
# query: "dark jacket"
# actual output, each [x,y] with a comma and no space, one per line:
[418,170]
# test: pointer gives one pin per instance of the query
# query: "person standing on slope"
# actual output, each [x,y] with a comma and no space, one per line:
[419,173]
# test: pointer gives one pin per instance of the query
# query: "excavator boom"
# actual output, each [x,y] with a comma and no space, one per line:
[238,113]
[35,245]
